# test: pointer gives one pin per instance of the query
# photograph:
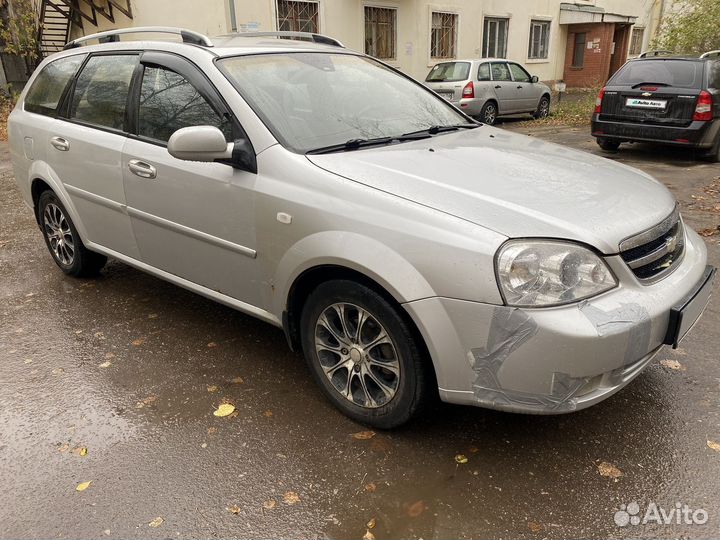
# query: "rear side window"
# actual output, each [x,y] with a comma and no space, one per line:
[676,73]
[46,91]
[102,89]
[714,75]
[500,72]
[449,71]
[169,102]
[484,72]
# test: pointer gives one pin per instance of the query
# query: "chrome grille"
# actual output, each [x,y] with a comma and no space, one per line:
[653,254]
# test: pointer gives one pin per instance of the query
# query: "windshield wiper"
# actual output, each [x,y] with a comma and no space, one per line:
[434,130]
[354,144]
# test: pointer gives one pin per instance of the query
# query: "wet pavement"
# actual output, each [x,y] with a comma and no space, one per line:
[131,368]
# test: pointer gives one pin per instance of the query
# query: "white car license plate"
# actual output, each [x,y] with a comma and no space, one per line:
[646,103]
[447,95]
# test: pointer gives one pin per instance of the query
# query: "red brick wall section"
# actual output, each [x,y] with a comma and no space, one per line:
[596,63]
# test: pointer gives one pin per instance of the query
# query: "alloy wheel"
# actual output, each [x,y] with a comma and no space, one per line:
[57,230]
[357,355]
[490,115]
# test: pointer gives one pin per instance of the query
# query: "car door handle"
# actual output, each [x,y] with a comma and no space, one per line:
[142,169]
[60,144]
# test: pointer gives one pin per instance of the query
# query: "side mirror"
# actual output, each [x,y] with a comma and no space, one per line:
[199,143]
[534,79]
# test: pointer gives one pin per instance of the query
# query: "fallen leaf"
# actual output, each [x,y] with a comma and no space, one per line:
[152,316]
[105,364]
[147,401]
[155,523]
[234,509]
[535,527]
[673,364]
[83,486]
[368,535]
[363,435]
[212,388]
[460,458]
[291,498]
[63,447]
[109,355]
[237,380]
[58,371]
[474,449]
[371,487]
[415,509]
[713,445]
[609,470]
[138,342]
[371,524]
[225,409]
[709,232]
[203,445]
[211,430]
[211,345]
[270,504]
[80,451]
[268,413]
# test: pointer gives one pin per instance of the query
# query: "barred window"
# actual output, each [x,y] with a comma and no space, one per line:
[380,32]
[297,16]
[443,36]
[539,39]
[636,41]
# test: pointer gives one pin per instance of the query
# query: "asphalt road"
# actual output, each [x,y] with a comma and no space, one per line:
[132,368]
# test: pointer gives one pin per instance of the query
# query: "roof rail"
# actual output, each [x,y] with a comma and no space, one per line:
[316,38]
[710,53]
[655,53]
[188,36]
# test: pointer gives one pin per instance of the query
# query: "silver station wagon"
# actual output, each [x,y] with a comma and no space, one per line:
[406,250]
[488,88]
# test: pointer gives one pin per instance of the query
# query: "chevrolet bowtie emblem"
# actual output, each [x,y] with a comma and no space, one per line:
[646,94]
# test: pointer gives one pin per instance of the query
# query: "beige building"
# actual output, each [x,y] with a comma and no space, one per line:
[581,41]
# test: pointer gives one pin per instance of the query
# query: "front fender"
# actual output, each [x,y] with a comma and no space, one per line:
[363,254]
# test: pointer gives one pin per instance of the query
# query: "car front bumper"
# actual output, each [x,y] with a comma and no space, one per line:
[560,359]
[697,134]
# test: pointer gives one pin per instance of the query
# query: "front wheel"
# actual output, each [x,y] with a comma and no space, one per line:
[543,108]
[63,240]
[364,354]
[489,113]
[607,144]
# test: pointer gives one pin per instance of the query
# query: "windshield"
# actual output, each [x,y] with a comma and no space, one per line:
[449,71]
[677,73]
[313,100]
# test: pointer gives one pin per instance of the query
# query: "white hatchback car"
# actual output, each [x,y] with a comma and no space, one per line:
[405,249]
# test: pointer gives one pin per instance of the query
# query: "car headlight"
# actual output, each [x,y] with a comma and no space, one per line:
[534,273]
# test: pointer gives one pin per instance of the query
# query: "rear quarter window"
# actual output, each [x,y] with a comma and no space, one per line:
[675,73]
[714,75]
[44,95]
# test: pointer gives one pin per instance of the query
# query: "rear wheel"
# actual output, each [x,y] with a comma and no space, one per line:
[543,109]
[607,144]
[489,113]
[363,354]
[713,156]
[63,240]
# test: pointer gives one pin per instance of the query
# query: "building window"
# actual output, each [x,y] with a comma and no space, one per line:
[578,57]
[636,41]
[495,37]
[539,39]
[297,16]
[443,36]
[380,32]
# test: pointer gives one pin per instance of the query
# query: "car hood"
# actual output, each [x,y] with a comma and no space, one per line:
[515,185]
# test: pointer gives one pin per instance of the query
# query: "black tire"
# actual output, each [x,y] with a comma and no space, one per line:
[608,145]
[489,113]
[713,155]
[413,386]
[57,227]
[543,108]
